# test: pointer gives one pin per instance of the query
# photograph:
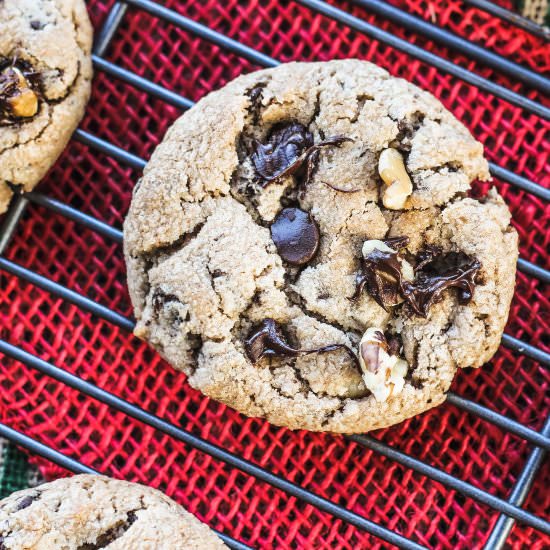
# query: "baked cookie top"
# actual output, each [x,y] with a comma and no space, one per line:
[45,80]
[302,246]
[86,512]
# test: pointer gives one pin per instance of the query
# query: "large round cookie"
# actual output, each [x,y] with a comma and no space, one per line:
[45,79]
[255,237]
[87,512]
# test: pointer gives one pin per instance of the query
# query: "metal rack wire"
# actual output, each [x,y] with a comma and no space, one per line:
[509,509]
[511,17]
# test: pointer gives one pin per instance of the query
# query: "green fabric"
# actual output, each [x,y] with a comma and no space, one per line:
[14,470]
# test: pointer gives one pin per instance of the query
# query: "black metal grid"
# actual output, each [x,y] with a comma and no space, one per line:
[510,510]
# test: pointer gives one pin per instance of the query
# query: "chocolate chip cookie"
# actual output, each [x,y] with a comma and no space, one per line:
[303,246]
[45,80]
[88,512]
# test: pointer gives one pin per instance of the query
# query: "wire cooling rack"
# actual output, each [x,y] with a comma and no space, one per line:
[509,508]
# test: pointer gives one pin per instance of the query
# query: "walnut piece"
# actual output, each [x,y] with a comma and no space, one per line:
[383,374]
[391,168]
[22,101]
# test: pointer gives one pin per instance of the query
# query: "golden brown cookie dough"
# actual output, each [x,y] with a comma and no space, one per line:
[367,157]
[88,512]
[45,81]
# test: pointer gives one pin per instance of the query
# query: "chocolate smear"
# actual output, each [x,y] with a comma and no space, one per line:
[286,150]
[295,235]
[269,340]
[453,270]
[340,189]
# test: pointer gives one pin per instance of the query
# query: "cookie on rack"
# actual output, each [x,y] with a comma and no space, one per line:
[87,511]
[45,82]
[304,247]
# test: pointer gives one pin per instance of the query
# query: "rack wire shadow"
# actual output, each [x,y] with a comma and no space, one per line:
[510,510]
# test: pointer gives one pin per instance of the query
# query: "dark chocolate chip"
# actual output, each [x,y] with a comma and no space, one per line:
[160,298]
[37,25]
[109,536]
[286,150]
[25,502]
[269,340]
[295,235]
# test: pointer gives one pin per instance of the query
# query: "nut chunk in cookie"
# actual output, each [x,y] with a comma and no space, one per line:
[303,247]
[45,81]
[89,511]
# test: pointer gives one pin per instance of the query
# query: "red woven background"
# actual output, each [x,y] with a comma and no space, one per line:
[346,473]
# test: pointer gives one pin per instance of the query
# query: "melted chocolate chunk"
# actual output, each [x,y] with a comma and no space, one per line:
[269,340]
[381,274]
[287,149]
[434,273]
[397,243]
[427,255]
[453,270]
[280,155]
[295,235]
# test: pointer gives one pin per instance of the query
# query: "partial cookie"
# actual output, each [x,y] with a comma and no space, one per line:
[302,246]
[45,82]
[85,512]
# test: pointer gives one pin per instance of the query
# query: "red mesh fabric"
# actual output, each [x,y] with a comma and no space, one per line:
[346,473]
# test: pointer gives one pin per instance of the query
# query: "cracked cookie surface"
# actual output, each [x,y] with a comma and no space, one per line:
[87,512]
[203,269]
[45,82]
